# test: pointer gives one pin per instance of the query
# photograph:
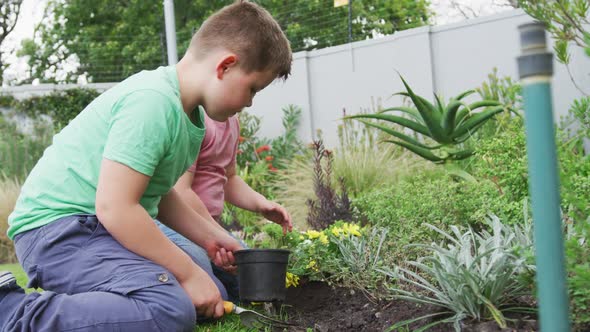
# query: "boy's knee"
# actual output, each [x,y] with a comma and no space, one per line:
[173,309]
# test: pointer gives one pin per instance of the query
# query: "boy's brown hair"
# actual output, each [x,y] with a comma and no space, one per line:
[251,33]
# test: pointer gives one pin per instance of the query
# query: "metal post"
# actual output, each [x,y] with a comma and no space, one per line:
[350,21]
[170,32]
[535,67]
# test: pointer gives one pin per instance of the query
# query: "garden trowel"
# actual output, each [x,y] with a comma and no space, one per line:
[252,319]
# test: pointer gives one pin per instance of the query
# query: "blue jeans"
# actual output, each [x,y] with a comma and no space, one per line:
[227,283]
[91,283]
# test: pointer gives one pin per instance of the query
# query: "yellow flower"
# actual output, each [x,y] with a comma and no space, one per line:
[312,265]
[324,239]
[354,230]
[301,237]
[313,234]
[292,280]
[336,231]
[351,229]
[346,227]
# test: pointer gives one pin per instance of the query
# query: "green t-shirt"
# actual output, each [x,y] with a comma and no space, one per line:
[140,123]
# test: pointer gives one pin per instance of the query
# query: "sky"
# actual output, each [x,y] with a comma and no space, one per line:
[32,12]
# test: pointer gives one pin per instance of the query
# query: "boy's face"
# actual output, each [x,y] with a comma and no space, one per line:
[234,89]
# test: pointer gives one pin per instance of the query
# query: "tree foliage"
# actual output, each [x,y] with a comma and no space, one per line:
[112,39]
[9,11]
[566,21]
[317,24]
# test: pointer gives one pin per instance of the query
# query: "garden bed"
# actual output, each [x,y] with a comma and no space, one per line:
[317,305]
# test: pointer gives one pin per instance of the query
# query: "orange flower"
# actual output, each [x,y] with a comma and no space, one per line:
[262,149]
[241,139]
[269,158]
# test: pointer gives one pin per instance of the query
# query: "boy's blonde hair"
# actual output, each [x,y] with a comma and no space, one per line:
[250,32]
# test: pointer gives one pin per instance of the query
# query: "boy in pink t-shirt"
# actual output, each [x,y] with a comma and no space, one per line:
[211,181]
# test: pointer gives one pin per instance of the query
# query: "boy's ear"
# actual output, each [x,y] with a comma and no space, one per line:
[225,64]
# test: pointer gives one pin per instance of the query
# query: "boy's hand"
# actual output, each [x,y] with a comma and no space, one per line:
[277,214]
[226,261]
[221,250]
[203,293]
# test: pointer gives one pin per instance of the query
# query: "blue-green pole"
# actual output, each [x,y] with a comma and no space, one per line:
[535,67]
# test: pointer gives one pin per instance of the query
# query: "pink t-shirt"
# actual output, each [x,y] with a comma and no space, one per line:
[218,151]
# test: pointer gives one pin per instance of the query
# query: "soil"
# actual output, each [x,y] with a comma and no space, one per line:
[322,308]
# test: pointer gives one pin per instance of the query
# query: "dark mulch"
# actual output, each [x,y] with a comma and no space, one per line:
[325,309]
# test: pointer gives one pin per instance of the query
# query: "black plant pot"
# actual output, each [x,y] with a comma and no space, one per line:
[262,274]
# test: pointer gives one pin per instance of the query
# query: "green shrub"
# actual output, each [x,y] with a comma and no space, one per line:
[287,145]
[274,237]
[20,152]
[576,124]
[9,191]
[503,90]
[436,198]
[500,165]
[61,106]
[502,160]
[6,100]
[277,152]
[580,113]
[574,163]
[575,182]
[577,260]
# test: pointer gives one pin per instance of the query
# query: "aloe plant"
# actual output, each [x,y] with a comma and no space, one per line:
[448,125]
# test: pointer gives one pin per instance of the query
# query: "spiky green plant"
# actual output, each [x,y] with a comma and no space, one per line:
[361,257]
[473,276]
[448,125]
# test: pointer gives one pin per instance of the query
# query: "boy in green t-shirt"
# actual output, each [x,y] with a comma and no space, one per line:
[83,224]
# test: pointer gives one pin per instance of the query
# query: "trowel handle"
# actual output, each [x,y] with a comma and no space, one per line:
[228,307]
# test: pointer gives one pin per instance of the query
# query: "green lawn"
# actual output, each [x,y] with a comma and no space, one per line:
[21,277]
[227,324]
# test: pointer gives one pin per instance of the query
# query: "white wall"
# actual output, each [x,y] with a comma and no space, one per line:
[445,59]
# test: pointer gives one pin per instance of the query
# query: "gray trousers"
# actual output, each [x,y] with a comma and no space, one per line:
[91,283]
